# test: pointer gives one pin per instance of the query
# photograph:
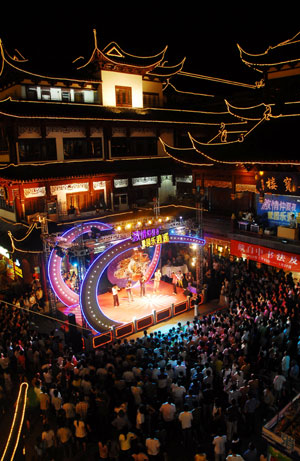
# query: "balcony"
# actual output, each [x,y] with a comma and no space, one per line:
[7,211]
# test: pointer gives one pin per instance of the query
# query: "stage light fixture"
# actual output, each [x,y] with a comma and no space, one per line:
[59,251]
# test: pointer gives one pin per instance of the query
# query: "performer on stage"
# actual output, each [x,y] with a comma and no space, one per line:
[180,279]
[128,289]
[142,286]
[157,277]
[115,290]
[174,282]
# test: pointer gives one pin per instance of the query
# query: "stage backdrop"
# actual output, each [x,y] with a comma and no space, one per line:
[128,265]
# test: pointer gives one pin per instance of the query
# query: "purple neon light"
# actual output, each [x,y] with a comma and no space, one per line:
[60,288]
[155,260]
[88,275]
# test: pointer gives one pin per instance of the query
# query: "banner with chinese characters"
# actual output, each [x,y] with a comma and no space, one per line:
[278,183]
[278,208]
[275,258]
[150,237]
[157,240]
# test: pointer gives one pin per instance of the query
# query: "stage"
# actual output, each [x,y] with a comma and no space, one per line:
[140,307]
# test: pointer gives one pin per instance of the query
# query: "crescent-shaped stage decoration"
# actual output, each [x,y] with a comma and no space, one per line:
[89,301]
[65,294]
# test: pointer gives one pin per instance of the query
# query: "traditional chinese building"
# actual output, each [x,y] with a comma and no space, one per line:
[119,132]
[259,160]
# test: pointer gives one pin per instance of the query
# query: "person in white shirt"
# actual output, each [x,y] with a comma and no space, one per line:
[157,277]
[115,290]
[278,383]
[185,418]
[219,443]
[48,438]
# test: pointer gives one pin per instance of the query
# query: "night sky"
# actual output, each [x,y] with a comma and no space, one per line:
[53,35]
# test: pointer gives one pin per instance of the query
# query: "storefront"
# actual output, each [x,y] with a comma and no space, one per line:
[282,433]
[10,269]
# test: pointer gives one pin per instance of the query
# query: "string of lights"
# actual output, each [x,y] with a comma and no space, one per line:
[257,64]
[14,248]
[187,92]
[40,314]
[107,53]
[17,423]
[218,80]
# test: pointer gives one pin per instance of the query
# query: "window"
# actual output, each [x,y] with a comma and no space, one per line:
[123,96]
[150,99]
[33,150]
[32,93]
[76,148]
[133,147]
[34,205]
[78,96]
[65,96]
[3,141]
[45,94]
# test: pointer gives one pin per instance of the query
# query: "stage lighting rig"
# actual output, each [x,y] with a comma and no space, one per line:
[59,251]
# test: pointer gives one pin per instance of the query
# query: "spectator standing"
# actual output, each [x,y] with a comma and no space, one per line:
[219,444]
[153,447]
[185,418]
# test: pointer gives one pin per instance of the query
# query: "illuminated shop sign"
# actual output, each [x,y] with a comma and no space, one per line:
[145,181]
[119,183]
[278,183]
[150,237]
[4,252]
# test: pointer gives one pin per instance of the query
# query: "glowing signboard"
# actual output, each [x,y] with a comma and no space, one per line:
[150,237]
[138,235]
[157,240]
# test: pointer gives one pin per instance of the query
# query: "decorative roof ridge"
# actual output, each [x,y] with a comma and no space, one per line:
[196,145]
[17,58]
[252,64]
[186,92]
[119,53]
[165,146]
[223,135]
[267,113]
[176,69]
[222,80]
[33,74]
[290,41]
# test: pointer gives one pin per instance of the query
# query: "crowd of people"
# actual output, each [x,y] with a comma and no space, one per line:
[201,390]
